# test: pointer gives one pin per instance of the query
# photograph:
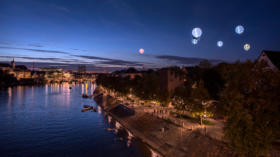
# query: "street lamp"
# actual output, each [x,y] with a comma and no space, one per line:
[204,116]
[203,103]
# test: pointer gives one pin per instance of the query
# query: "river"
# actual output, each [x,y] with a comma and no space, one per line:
[47,121]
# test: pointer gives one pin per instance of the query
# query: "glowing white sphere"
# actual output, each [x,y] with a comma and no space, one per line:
[220,43]
[239,29]
[247,47]
[196,32]
[141,51]
[194,41]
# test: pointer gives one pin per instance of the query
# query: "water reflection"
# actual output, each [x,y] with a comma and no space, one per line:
[46,94]
[32,93]
[99,109]
[66,94]
[10,94]
[91,88]
[125,134]
[129,138]
[83,88]
[60,92]
[19,93]
[88,88]
[109,119]
[118,126]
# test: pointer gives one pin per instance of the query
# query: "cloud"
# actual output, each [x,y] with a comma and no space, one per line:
[102,62]
[55,60]
[78,50]
[60,8]
[109,61]
[71,64]
[35,45]
[34,50]
[185,60]
[66,66]
[5,43]
[106,62]
[121,63]
[91,57]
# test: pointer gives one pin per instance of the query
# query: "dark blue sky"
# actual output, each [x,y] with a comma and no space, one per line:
[109,33]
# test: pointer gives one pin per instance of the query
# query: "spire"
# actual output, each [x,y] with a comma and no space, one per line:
[13,63]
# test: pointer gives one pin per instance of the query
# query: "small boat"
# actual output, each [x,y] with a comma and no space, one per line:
[85,96]
[86,109]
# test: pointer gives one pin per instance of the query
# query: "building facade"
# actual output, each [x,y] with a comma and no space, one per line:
[170,80]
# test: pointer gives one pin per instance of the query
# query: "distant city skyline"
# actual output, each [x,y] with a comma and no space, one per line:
[109,34]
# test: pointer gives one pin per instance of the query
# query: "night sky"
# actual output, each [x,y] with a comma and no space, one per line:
[109,33]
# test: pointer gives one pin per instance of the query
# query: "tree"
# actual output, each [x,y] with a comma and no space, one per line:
[180,99]
[205,64]
[7,80]
[213,82]
[131,70]
[251,102]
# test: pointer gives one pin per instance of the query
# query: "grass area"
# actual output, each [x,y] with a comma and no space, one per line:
[192,119]
[207,122]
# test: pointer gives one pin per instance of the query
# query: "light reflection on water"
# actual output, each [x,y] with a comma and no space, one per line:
[47,121]
[128,136]
[9,98]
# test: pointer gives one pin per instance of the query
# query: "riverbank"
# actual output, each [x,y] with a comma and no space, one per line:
[166,137]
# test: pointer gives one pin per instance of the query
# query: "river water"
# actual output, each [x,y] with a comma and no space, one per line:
[46,121]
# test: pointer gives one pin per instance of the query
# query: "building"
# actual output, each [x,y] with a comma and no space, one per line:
[5,66]
[81,69]
[21,74]
[18,71]
[132,73]
[54,75]
[272,58]
[13,63]
[45,75]
[171,78]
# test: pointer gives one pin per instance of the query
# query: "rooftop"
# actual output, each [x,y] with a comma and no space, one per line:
[274,56]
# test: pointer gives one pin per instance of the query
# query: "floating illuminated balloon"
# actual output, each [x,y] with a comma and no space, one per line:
[247,47]
[141,51]
[220,43]
[194,41]
[239,29]
[196,32]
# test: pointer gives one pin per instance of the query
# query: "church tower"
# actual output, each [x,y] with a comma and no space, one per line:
[13,63]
